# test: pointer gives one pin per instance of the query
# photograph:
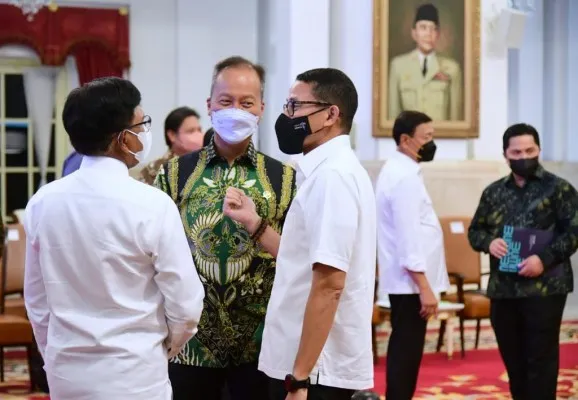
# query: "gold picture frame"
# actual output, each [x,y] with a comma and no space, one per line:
[467,126]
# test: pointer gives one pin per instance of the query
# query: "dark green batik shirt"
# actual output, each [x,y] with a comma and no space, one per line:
[545,202]
[237,273]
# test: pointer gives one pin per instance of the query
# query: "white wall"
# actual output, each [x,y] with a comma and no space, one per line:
[351,49]
[543,82]
[175,43]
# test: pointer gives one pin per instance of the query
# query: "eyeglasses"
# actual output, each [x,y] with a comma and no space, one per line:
[146,123]
[292,104]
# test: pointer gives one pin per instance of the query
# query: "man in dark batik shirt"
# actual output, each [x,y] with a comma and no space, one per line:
[527,306]
[235,260]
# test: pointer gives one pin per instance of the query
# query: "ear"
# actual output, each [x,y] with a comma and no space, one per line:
[414,34]
[209,106]
[172,135]
[262,106]
[123,140]
[334,114]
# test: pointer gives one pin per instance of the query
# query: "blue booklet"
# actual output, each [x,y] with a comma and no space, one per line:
[522,243]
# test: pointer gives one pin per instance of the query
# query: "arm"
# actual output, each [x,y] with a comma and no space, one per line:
[406,209]
[566,244]
[270,239]
[331,222]
[34,290]
[456,105]
[394,105]
[479,233]
[177,279]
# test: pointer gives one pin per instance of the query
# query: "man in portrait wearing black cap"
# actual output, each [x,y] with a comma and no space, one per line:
[422,80]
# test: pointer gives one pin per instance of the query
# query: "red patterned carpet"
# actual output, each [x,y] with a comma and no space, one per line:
[480,376]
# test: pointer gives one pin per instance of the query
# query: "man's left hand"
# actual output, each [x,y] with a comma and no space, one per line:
[301,394]
[241,208]
[531,267]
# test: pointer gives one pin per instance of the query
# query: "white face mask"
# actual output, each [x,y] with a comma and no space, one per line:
[234,125]
[146,139]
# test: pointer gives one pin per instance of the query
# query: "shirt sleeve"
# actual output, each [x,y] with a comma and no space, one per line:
[406,201]
[479,233]
[177,279]
[566,244]
[34,290]
[332,212]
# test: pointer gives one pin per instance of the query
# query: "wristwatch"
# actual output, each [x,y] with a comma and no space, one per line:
[292,384]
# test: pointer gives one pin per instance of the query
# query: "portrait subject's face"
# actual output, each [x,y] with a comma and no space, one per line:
[425,34]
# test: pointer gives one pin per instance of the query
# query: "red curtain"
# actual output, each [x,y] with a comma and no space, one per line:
[98,38]
[94,61]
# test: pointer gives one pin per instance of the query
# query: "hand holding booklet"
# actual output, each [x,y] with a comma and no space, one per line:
[522,243]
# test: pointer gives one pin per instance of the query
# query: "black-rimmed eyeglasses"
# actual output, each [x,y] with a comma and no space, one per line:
[146,123]
[293,105]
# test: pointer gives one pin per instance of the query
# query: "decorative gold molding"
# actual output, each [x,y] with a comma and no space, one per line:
[469,128]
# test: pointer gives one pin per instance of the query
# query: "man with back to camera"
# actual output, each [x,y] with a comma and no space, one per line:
[412,269]
[110,287]
[183,135]
[236,260]
[527,302]
[422,79]
[317,338]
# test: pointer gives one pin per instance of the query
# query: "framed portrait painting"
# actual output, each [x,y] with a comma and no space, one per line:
[426,57]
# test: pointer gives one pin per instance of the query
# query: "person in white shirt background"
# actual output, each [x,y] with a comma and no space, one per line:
[411,257]
[317,337]
[110,287]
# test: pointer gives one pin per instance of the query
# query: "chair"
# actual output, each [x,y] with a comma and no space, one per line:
[464,267]
[13,264]
[15,330]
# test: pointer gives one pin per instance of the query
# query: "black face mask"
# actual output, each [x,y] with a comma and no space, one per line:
[291,132]
[524,167]
[427,152]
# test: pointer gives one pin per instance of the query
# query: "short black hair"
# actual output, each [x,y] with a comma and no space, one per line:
[407,122]
[97,111]
[332,86]
[208,136]
[175,119]
[235,62]
[519,130]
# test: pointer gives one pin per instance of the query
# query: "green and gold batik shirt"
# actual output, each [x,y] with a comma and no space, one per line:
[545,202]
[237,273]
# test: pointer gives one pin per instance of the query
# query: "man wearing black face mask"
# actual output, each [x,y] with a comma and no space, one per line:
[412,269]
[527,301]
[317,336]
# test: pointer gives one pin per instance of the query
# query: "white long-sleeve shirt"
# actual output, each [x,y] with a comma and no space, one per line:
[109,284]
[409,235]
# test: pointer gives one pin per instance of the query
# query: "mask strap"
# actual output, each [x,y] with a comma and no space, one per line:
[132,133]
[313,113]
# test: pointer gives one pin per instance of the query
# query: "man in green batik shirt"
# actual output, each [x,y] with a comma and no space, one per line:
[236,261]
[527,305]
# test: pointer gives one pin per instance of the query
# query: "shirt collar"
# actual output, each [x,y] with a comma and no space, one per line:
[250,154]
[406,161]
[539,175]
[103,163]
[310,161]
